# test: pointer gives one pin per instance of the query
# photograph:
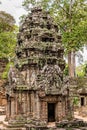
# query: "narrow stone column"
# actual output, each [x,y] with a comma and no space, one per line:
[12,107]
[37,106]
[16,110]
[43,110]
[28,104]
[9,107]
[24,103]
[7,110]
[33,103]
[63,107]
[56,112]
[60,110]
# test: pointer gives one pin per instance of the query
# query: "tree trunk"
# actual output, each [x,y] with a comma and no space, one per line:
[71,63]
[71,54]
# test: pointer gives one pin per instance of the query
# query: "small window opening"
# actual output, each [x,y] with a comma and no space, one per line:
[82,101]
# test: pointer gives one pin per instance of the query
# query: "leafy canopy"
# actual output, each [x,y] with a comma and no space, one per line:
[6,22]
[8,32]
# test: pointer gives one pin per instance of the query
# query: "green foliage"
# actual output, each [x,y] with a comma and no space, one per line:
[8,32]
[5,73]
[72,17]
[28,4]
[66,70]
[85,69]
[7,44]
[75,101]
[6,22]
[81,82]
[80,71]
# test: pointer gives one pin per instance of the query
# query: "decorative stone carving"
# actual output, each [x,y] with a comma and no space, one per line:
[50,78]
[15,78]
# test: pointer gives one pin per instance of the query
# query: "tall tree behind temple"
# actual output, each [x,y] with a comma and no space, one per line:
[7,35]
[8,32]
[71,17]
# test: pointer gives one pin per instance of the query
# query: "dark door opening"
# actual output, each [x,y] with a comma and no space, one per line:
[82,101]
[51,112]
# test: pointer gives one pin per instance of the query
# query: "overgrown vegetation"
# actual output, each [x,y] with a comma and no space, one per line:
[5,73]
[8,31]
[81,70]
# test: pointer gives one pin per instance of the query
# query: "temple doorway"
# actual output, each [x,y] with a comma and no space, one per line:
[51,112]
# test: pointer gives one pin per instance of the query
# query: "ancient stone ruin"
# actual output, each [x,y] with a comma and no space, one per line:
[36,92]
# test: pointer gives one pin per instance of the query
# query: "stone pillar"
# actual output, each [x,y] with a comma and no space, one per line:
[16,110]
[33,103]
[66,106]
[12,108]
[37,106]
[7,110]
[59,110]
[24,103]
[19,103]
[56,112]
[63,107]
[44,111]
[27,105]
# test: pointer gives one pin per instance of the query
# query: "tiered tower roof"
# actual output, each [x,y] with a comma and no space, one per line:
[39,60]
[39,41]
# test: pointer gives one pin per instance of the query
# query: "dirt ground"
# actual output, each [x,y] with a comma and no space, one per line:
[79,117]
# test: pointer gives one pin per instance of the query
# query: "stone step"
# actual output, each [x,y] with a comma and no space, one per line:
[3,128]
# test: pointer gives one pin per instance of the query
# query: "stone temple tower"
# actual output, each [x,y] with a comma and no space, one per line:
[36,89]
